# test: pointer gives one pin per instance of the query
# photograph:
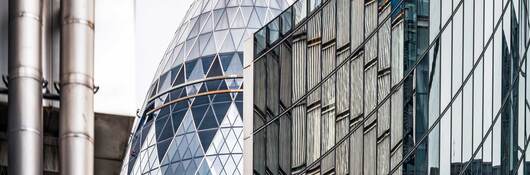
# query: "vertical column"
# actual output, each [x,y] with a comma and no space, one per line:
[25,95]
[76,128]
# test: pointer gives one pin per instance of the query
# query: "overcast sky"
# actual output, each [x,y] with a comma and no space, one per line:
[156,22]
[129,43]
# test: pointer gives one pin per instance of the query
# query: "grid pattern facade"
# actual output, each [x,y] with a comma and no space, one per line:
[192,120]
[391,87]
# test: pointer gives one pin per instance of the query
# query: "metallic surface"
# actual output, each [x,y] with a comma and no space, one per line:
[25,95]
[76,126]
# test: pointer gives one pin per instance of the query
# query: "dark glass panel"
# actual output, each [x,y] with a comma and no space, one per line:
[203,89]
[175,71]
[164,111]
[287,21]
[206,62]
[189,67]
[222,86]
[179,106]
[162,148]
[215,70]
[274,30]
[239,97]
[180,78]
[177,119]
[259,41]
[206,138]
[222,98]
[175,94]
[239,106]
[167,132]
[159,125]
[213,85]
[201,100]
[198,113]
[225,60]
[209,120]
[220,110]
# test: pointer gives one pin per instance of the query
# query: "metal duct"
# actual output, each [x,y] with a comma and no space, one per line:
[25,92]
[76,127]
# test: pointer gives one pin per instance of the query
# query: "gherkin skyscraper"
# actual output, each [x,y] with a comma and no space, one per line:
[191,121]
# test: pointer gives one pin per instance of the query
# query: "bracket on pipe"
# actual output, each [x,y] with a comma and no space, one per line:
[138,113]
[5,80]
[57,88]
[96,89]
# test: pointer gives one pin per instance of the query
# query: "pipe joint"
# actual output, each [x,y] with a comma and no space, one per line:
[78,78]
[25,72]
[79,135]
[72,20]
[28,15]
[26,129]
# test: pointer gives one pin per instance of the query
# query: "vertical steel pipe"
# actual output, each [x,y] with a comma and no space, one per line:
[25,92]
[76,126]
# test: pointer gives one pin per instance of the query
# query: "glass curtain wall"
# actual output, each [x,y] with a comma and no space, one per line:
[393,87]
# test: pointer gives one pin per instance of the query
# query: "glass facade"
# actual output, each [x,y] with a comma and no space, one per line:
[391,87]
[191,122]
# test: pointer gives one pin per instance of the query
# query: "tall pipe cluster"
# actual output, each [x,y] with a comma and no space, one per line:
[27,49]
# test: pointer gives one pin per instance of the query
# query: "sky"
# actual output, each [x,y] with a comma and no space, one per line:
[156,22]
[114,61]
[131,38]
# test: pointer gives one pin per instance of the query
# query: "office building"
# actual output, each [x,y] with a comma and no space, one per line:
[191,122]
[389,87]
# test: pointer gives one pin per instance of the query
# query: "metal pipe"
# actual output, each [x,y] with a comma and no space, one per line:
[25,84]
[76,125]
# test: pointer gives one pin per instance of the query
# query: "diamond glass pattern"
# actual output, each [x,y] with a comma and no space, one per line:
[192,120]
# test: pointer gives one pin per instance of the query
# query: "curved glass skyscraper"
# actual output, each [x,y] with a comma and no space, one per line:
[191,122]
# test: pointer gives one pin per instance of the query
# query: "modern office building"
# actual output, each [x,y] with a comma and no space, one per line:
[191,122]
[389,87]
[51,121]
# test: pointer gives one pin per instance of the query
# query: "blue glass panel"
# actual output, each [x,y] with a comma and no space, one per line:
[179,106]
[167,132]
[175,71]
[225,60]
[220,110]
[177,119]
[209,120]
[201,100]
[189,67]
[239,106]
[164,111]
[203,89]
[215,70]
[198,113]
[159,125]
[222,98]
[175,94]
[239,97]
[162,148]
[206,62]
[206,138]
[179,78]
[213,85]
[222,86]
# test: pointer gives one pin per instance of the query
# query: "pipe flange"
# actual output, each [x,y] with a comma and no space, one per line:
[77,78]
